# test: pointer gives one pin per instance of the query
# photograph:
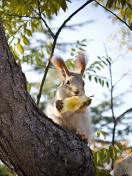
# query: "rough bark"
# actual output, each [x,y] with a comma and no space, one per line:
[124,168]
[30,143]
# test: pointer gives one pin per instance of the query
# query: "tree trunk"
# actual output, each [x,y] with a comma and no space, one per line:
[30,143]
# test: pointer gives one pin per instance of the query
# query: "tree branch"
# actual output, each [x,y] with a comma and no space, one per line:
[73,14]
[127,111]
[53,48]
[111,82]
[112,104]
[40,16]
[121,78]
[113,14]
[47,27]
[116,59]
[39,8]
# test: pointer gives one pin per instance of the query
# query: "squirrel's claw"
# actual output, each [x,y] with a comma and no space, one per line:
[85,105]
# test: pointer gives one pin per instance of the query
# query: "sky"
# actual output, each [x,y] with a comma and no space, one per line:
[98,33]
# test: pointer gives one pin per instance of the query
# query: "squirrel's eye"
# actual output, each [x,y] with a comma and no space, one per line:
[68,82]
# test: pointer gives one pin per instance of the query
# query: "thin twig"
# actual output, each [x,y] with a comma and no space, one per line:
[121,78]
[113,14]
[45,73]
[116,59]
[112,104]
[68,19]
[127,111]
[39,8]
[52,34]
[111,82]
[53,48]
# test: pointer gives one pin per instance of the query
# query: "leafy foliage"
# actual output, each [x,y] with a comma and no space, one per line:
[22,18]
[3,170]
[105,154]
[124,8]
[98,65]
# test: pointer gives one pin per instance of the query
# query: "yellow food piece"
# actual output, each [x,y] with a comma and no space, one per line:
[73,103]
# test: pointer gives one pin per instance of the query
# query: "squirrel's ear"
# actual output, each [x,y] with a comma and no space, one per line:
[61,66]
[81,63]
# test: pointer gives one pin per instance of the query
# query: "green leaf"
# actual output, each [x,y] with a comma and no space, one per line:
[28,87]
[11,41]
[15,54]
[98,68]
[78,42]
[123,3]
[98,157]
[33,26]
[109,3]
[107,83]
[28,32]
[104,62]
[63,5]
[83,45]
[81,49]
[17,9]
[96,80]
[101,65]
[84,40]
[119,145]
[98,133]
[111,151]
[102,153]
[23,10]
[102,132]
[107,60]
[99,58]
[20,48]
[107,156]
[24,40]
[95,158]
[102,83]
[114,153]
[90,77]
[73,49]
[48,12]
[72,54]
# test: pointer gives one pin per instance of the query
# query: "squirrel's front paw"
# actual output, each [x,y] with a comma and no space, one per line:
[85,105]
[59,104]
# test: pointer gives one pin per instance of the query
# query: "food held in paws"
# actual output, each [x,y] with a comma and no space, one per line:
[73,103]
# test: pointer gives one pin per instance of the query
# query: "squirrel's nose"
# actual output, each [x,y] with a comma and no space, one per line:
[76,92]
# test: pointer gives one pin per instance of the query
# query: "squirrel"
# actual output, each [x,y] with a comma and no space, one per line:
[72,84]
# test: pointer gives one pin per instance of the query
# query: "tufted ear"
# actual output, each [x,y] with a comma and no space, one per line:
[81,62]
[61,66]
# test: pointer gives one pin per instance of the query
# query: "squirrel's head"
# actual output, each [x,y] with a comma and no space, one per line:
[72,82]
